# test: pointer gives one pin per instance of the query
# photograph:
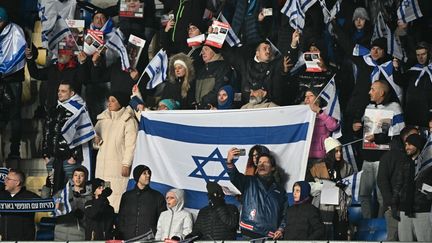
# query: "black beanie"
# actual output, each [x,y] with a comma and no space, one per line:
[137,172]
[214,188]
[122,98]
[214,49]
[381,43]
[200,24]
[417,140]
[97,182]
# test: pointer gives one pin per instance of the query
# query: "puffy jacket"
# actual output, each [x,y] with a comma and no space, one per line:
[139,211]
[175,221]
[217,222]
[17,226]
[324,125]
[262,210]
[53,143]
[99,217]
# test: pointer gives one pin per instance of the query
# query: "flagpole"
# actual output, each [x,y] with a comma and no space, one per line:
[142,74]
[355,141]
[322,90]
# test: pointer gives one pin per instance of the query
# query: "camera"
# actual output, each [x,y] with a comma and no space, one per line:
[242,152]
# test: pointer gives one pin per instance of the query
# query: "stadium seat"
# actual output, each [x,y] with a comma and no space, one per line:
[45,230]
[354,215]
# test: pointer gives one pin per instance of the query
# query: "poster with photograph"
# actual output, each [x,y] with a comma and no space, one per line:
[74,41]
[376,121]
[217,37]
[131,8]
[312,60]
[93,41]
[134,48]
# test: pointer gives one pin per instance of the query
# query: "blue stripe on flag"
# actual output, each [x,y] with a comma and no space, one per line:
[327,96]
[83,137]
[402,13]
[59,34]
[83,126]
[75,104]
[397,119]
[353,188]
[73,122]
[414,8]
[333,105]
[162,65]
[119,51]
[225,135]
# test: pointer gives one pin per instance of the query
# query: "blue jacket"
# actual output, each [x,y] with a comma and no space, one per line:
[262,210]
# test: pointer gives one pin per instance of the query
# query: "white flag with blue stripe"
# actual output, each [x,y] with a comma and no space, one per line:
[157,69]
[330,14]
[12,50]
[231,37]
[296,12]
[349,156]
[186,149]
[52,14]
[329,94]
[78,129]
[409,10]
[115,43]
[353,182]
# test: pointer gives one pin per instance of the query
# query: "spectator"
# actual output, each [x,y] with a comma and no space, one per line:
[302,220]
[380,100]
[181,81]
[168,104]
[211,77]
[324,126]
[333,168]
[56,150]
[388,168]
[99,214]
[116,132]
[218,220]
[140,207]
[258,97]
[413,203]
[418,86]
[253,155]
[225,98]
[175,222]
[261,189]
[19,226]
[11,83]
[70,203]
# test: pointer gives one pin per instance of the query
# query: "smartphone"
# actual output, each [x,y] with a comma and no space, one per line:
[171,16]
[107,184]
[267,11]
[242,152]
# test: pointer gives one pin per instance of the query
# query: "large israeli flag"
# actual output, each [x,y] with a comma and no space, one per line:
[409,10]
[12,49]
[186,149]
[296,12]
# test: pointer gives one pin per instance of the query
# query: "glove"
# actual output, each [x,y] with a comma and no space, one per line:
[395,213]
[341,185]
[106,192]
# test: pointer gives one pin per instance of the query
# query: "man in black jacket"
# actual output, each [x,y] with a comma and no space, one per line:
[218,220]
[17,226]
[140,208]
[387,176]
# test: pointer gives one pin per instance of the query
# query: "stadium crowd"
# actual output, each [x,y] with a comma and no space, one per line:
[277,53]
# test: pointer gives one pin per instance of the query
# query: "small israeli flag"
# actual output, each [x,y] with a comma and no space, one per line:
[157,69]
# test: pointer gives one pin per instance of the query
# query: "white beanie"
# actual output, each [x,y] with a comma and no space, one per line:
[331,143]
[360,13]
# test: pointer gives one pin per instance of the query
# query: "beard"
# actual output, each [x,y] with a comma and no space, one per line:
[254,100]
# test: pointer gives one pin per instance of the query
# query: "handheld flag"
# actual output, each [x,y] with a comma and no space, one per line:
[157,69]
[12,52]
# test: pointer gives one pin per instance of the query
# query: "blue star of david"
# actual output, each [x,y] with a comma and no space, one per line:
[158,70]
[215,157]
[406,3]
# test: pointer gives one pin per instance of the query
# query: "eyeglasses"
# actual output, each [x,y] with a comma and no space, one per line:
[10,179]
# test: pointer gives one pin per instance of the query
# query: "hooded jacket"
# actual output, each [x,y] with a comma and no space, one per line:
[175,221]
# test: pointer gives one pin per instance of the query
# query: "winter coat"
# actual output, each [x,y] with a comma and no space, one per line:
[303,222]
[217,222]
[139,211]
[174,221]
[17,226]
[99,217]
[324,125]
[388,168]
[71,226]
[210,78]
[264,104]
[418,101]
[262,210]
[118,131]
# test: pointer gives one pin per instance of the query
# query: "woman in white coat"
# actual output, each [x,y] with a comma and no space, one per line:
[116,132]
[175,222]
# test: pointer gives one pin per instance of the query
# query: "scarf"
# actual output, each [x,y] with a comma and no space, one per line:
[423,69]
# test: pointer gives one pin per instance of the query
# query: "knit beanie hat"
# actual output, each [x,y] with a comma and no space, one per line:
[305,189]
[170,104]
[97,182]
[122,98]
[3,15]
[214,49]
[417,140]
[214,188]
[137,172]
[330,144]
[360,13]
[200,24]
[381,43]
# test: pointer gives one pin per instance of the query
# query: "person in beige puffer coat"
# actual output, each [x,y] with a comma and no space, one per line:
[116,131]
